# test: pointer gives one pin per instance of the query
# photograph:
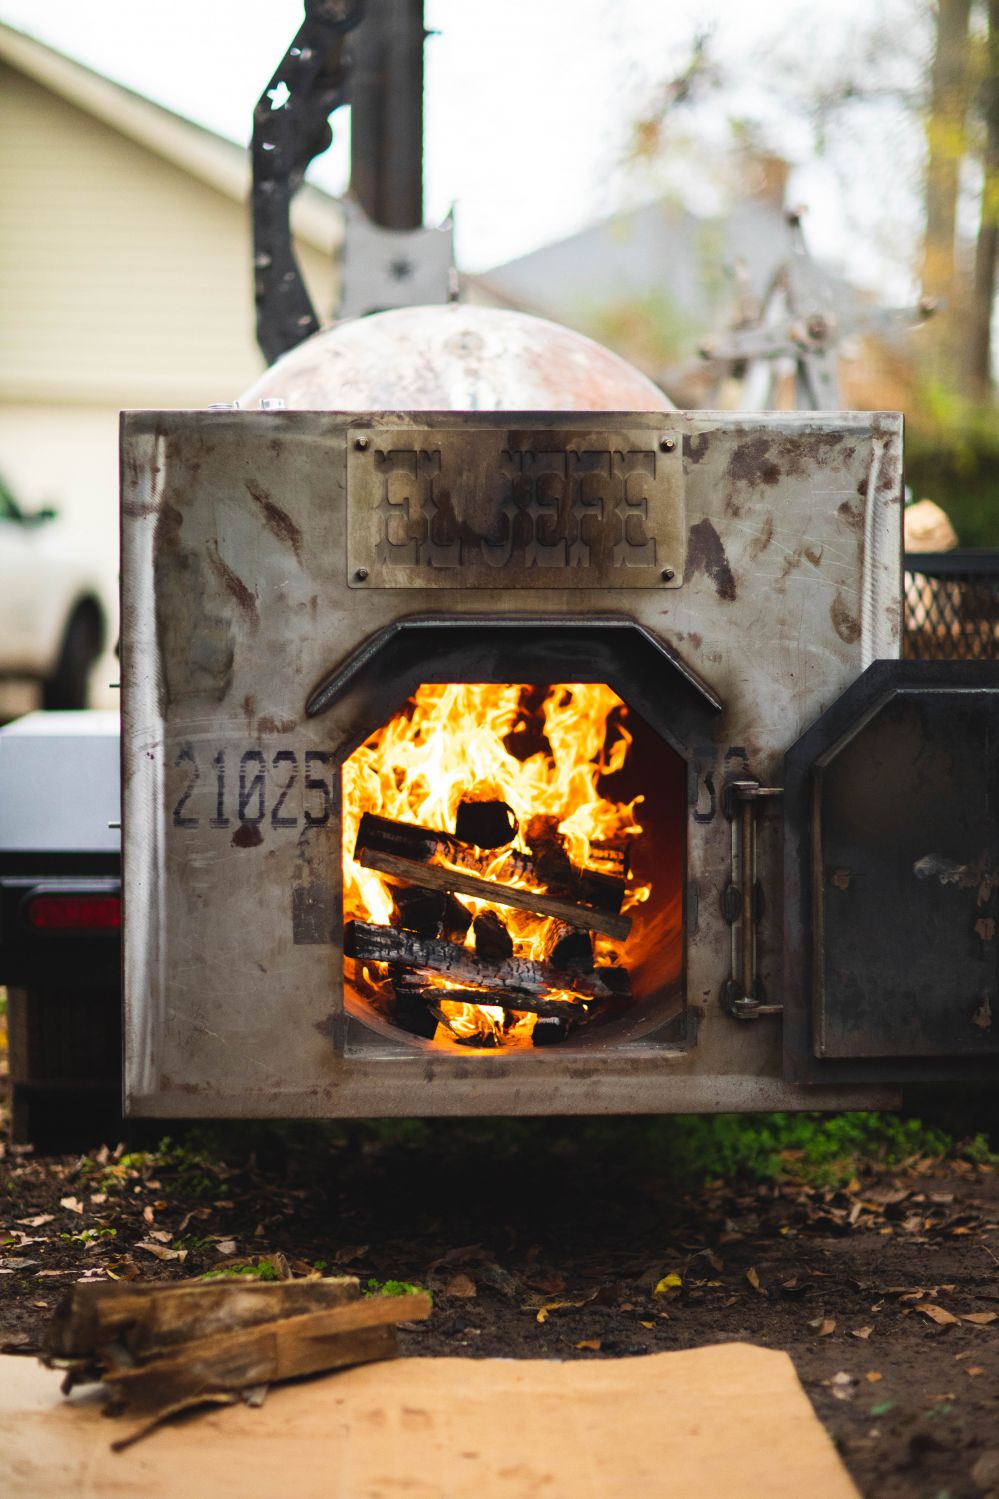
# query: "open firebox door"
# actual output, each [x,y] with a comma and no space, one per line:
[892,879]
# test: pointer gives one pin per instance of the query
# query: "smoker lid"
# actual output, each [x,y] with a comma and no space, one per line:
[454,358]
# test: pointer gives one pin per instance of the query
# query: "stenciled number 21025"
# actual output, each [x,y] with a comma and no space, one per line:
[278,786]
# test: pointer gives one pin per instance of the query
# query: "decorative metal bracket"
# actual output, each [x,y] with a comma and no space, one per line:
[290,128]
[742,902]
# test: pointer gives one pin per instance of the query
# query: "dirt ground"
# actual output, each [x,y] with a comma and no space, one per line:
[554,1240]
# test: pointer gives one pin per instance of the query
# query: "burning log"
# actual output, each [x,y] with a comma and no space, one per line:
[549,1030]
[517,978]
[548,850]
[410,1011]
[436,878]
[492,940]
[426,846]
[567,947]
[485,824]
[430,913]
[505,999]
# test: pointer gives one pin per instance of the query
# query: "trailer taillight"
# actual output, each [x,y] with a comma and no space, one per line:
[60,912]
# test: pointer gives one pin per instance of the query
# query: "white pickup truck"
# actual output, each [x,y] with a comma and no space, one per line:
[53,623]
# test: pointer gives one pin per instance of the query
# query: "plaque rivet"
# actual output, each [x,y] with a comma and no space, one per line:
[667,574]
[361,444]
[667,444]
[361,573]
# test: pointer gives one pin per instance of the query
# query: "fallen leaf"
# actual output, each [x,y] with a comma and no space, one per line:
[122,1270]
[226,1246]
[861,1332]
[551,1285]
[498,1279]
[558,1306]
[461,1285]
[147,1214]
[592,1344]
[872,1376]
[752,1276]
[980,1319]
[161,1235]
[937,1314]
[37,1222]
[161,1252]
[97,1199]
[974,1370]
[73,1204]
[347,1254]
[671,1285]
[648,1324]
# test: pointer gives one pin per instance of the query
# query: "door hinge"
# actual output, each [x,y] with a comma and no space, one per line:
[743,995]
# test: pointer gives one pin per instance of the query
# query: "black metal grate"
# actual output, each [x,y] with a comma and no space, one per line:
[951,606]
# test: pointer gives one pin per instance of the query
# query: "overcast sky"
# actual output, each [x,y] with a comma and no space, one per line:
[528,104]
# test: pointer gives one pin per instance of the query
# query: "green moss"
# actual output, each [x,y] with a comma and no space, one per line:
[393,1288]
[264,1270]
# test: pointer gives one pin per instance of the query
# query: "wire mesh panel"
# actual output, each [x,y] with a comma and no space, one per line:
[951,606]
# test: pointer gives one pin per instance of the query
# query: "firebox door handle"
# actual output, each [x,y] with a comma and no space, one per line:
[742,901]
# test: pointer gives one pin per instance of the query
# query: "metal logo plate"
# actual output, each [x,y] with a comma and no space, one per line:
[487,507]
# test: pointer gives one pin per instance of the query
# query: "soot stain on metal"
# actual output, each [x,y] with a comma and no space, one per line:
[814,555]
[277,521]
[247,835]
[843,622]
[751,463]
[233,583]
[269,725]
[706,554]
[762,539]
[853,515]
[695,446]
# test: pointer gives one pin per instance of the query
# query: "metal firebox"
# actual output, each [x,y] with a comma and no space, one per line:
[290,578]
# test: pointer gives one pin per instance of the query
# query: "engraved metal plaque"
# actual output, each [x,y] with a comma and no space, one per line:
[487,507]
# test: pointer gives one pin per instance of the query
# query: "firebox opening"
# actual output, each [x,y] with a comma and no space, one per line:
[513,870]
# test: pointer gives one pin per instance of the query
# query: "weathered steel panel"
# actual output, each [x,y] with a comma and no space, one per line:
[471,506]
[893,876]
[235,609]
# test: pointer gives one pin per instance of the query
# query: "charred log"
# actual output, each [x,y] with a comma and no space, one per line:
[519,978]
[410,1010]
[568,947]
[610,925]
[430,913]
[492,940]
[548,850]
[549,1030]
[485,824]
[510,1000]
[407,840]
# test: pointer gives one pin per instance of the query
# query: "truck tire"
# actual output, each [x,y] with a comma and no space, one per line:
[65,1068]
[80,649]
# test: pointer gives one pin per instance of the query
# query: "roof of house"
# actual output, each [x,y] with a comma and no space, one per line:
[220,163]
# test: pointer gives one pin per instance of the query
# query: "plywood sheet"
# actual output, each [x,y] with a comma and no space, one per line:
[724,1420]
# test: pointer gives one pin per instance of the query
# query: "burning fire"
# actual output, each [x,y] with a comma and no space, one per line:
[459,742]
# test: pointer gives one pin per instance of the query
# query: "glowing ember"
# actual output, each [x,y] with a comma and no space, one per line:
[480,742]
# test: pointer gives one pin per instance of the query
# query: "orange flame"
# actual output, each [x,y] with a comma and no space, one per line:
[460,741]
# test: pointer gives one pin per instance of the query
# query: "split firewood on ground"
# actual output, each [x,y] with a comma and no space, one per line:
[159,1350]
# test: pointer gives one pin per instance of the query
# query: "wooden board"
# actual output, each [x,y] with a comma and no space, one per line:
[726,1420]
